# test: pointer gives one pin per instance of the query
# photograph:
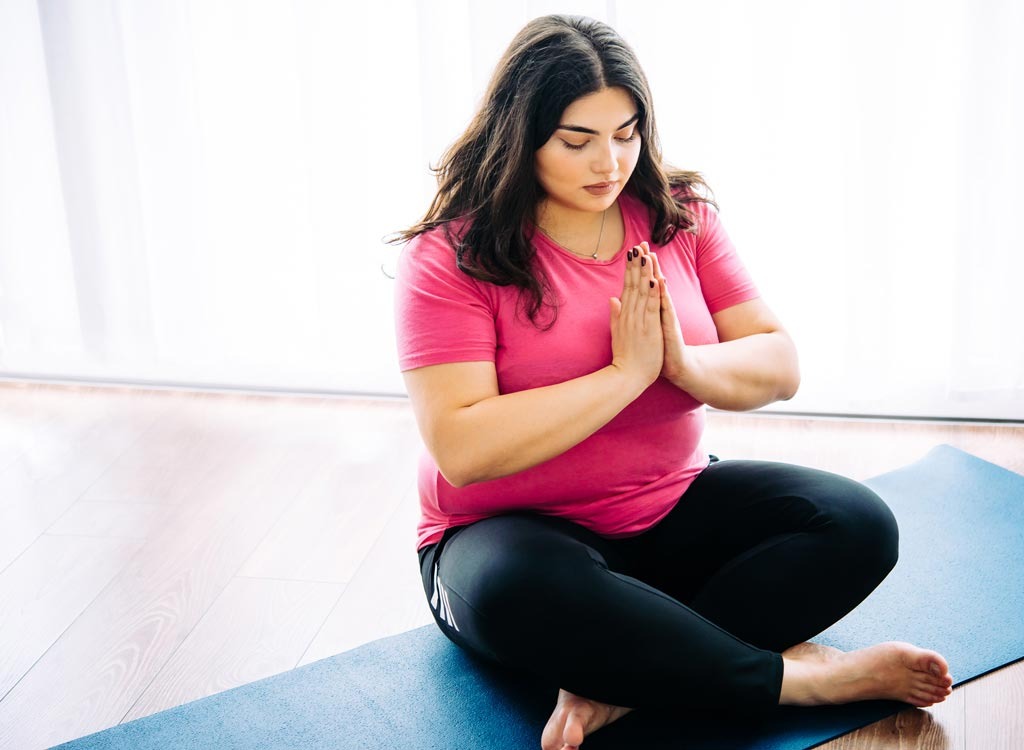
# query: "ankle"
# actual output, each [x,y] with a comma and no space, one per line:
[800,684]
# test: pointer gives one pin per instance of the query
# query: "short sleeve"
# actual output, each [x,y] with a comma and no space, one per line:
[724,279]
[442,315]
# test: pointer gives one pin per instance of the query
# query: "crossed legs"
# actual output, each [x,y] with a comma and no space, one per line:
[756,558]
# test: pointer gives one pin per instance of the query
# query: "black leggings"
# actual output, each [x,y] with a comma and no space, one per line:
[756,557]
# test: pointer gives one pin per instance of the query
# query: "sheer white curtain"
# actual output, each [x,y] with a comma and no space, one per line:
[868,161]
[197,192]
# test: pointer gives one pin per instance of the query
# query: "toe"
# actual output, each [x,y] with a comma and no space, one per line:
[573,733]
[932,664]
[938,667]
[921,699]
[551,737]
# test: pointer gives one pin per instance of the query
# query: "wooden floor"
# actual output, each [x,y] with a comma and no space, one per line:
[159,546]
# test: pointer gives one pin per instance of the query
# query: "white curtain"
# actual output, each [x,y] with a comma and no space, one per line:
[197,192]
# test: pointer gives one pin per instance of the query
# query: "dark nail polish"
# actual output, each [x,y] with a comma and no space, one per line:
[652,285]
[643,261]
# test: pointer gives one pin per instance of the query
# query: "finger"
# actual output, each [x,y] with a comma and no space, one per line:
[662,282]
[637,283]
[647,251]
[653,294]
[627,274]
[648,284]
[643,282]
[666,298]
[657,266]
[631,278]
[615,306]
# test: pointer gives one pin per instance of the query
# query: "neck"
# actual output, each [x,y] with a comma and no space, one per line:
[562,221]
[580,233]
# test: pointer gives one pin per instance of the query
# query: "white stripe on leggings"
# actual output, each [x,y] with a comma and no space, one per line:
[433,599]
[448,606]
[439,601]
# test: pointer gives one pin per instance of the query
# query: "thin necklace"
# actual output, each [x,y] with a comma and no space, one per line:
[582,255]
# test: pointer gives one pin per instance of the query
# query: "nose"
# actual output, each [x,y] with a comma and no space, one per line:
[605,159]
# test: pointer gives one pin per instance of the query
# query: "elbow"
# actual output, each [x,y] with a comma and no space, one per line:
[789,390]
[453,473]
[456,469]
[790,381]
[455,479]
[450,458]
[464,469]
[461,458]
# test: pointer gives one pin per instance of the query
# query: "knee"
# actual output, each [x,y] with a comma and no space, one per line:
[869,528]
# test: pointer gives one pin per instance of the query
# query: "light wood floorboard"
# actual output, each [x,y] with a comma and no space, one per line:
[386,595]
[255,628]
[45,590]
[358,491]
[117,519]
[96,671]
[61,461]
[174,544]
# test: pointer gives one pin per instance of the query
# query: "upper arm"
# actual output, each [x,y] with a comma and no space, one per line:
[746,319]
[437,392]
[754,317]
[446,337]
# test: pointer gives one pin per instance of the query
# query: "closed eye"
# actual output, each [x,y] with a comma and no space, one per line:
[573,147]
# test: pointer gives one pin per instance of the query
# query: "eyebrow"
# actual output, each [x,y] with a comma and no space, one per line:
[581,129]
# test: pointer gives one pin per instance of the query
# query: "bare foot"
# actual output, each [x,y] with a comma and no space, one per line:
[820,675]
[810,651]
[574,718]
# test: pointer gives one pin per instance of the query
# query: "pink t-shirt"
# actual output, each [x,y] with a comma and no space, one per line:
[629,474]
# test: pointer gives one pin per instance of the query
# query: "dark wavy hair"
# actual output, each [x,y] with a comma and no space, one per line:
[488,176]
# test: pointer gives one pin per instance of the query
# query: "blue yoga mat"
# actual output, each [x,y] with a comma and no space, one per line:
[958,589]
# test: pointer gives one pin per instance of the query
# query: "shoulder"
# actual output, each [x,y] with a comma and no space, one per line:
[431,253]
[429,263]
[433,246]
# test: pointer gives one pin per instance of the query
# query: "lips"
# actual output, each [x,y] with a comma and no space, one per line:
[601,189]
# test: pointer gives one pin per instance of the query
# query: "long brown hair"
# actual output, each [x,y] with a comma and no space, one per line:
[488,177]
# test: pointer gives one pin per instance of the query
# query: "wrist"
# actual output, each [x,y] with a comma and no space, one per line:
[686,373]
[629,381]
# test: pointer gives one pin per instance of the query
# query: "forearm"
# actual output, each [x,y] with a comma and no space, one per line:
[506,434]
[741,374]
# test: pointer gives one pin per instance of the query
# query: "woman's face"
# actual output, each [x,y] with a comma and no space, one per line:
[597,141]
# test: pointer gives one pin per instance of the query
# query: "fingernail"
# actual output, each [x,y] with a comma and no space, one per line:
[652,285]
[643,261]
[935,669]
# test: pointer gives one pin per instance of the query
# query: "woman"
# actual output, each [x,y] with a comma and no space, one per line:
[564,310]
